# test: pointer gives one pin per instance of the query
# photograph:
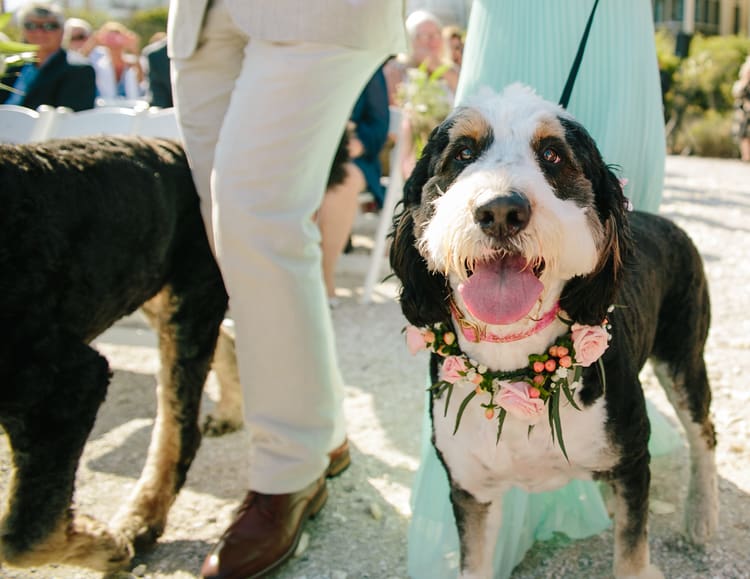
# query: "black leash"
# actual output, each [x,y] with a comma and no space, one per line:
[565,98]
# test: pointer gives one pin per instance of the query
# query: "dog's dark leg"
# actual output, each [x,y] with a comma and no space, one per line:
[630,487]
[49,412]
[186,317]
[227,415]
[478,525]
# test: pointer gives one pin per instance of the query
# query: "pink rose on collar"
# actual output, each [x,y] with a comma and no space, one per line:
[515,399]
[589,343]
[452,365]
[415,340]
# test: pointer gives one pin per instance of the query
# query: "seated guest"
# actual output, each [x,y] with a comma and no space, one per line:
[371,119]
[454,40]
[155,61]
[117,63]
[427,50]
[50,79]
[422,83]
[365,138]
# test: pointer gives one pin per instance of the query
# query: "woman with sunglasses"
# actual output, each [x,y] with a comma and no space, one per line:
[50,79]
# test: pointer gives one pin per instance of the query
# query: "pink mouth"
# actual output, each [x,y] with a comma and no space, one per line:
[502,290]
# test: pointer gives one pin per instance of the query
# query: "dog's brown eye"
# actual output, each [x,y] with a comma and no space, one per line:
[549,155]
[465,155]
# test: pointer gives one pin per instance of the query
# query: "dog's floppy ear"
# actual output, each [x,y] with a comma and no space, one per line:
[424,294]
[586,298]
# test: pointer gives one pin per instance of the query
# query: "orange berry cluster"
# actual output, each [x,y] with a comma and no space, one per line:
[545,365]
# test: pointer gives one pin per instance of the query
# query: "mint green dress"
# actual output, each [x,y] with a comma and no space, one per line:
[617,97]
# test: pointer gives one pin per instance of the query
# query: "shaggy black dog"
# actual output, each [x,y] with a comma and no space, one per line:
[91,230]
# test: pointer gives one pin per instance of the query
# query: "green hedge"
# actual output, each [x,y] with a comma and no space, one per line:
[148,22]
[698,104]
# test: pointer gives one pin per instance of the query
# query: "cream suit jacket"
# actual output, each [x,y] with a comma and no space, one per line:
[366,24]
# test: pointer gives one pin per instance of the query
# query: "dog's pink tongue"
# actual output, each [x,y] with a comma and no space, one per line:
[501,291]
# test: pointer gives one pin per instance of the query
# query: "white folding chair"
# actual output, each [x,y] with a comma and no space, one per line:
[97,121]
[137,104]
[23,125]
[393,194]
[157,122]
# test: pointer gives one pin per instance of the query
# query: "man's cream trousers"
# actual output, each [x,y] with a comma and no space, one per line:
[261,122]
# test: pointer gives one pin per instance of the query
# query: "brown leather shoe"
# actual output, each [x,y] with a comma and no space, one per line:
[264,533]
[339,460]
[267,528]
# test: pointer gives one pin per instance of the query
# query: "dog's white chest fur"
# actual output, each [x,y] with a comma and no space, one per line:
[530,460]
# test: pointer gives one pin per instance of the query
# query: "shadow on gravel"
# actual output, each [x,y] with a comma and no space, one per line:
[131,395]
[130,409]
[173,556]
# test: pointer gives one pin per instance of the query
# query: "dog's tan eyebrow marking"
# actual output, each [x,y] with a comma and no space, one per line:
[548,128]
[470,123]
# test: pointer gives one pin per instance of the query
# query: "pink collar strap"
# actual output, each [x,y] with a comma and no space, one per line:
[476,332]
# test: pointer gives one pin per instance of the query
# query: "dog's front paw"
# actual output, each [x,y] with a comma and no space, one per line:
[701,525]
[82,541]
[90,543]
[138,531]
[218,426]
[143,521]
[702,508]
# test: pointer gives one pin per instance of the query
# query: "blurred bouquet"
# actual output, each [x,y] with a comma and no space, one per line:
[12,52]
[425,100]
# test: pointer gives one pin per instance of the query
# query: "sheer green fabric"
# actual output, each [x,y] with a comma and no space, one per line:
[617,97]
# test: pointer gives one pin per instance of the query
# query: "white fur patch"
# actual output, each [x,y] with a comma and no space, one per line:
[487,468]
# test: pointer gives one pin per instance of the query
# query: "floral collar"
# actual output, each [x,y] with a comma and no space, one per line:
[522,393]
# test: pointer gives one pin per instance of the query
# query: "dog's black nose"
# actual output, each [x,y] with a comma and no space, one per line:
[503,216]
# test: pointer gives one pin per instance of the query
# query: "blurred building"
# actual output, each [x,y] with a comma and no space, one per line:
[703,16]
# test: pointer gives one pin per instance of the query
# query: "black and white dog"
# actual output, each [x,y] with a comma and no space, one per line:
[512,246]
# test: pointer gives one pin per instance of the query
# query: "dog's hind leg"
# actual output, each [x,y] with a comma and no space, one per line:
[478,525]
[630,499]
[227,416]
[689,393]
[50,409]
[677,359]
[186,315]
[678,363]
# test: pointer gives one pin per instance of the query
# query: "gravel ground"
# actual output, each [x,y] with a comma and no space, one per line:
[362,531]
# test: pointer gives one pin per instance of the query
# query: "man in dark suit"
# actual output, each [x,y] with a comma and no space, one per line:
[50,79]
[159,81]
